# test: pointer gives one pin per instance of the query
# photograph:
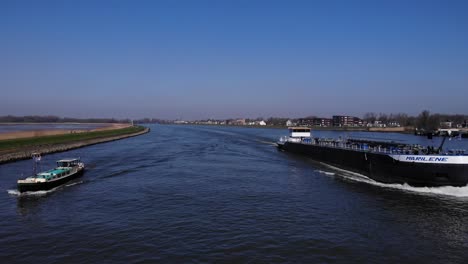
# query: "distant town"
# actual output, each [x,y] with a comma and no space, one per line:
[425,121]
[400,122]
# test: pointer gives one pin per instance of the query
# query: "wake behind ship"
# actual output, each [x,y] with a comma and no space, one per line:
[387,162]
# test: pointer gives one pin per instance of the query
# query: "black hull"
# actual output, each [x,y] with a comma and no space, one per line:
[44,186]
[383,168]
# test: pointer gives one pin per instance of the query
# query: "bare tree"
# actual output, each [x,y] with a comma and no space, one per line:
[423,119]
[370,117]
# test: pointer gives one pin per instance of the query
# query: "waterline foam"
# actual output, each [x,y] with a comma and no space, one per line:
[442,190]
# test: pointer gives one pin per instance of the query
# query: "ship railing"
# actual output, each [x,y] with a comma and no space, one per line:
[291,139]
[358,147]
[375,149]
[456,151]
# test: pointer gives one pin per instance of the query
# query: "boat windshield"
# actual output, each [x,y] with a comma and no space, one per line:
[63,164]
[68,162]
[301,130]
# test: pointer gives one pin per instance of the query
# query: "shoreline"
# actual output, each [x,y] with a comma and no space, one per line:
[25,152]
[401,130]
[54,123]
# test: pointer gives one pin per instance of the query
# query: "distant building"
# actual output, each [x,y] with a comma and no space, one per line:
[256,123]
[289,123]
[315,121]
[306,122]
[339,121]
[394,124]
[343,121]
[376,123]
[238,122]
[446,124]
[322,122]
[180,122]
[358,122]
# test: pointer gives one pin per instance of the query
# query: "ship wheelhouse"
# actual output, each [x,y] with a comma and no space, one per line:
[68,163]
[299,132]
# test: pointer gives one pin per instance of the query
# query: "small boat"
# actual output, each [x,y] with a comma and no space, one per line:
[383,161]
[66,170]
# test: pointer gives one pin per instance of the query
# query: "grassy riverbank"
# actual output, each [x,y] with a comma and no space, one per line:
[66,138]
[22,148]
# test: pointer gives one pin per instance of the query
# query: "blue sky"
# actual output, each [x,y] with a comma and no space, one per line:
[222,59]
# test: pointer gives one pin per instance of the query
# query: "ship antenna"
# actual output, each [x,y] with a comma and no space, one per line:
[36,159]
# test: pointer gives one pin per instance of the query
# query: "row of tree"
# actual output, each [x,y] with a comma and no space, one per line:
[147,120]
[56,119]
[425,120]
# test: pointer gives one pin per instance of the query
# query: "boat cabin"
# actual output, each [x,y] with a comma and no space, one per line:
[299,132]
[68,162]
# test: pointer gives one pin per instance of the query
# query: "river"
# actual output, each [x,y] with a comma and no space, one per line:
[226,194]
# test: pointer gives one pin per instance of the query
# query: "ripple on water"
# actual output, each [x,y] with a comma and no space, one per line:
[224,194]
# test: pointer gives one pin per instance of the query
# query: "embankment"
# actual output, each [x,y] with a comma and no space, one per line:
[53,132]
[407,129]
[22,148]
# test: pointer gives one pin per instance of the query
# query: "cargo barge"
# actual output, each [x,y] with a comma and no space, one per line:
[383,161]
[66,170]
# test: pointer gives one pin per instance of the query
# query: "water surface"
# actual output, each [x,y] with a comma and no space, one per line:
[225,194]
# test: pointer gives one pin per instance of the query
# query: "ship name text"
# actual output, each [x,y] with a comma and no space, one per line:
[439,159]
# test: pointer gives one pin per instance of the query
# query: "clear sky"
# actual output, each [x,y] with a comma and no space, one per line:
[220,59]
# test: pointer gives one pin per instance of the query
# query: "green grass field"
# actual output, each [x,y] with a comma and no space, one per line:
[65,138]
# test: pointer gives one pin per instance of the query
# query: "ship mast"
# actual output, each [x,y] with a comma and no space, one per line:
[443,141]
[36,159]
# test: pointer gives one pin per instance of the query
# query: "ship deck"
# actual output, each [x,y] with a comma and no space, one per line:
[379,147]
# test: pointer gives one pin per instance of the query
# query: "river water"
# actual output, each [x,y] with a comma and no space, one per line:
[226,194]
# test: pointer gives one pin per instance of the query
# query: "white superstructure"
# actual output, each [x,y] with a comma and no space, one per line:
[299,132]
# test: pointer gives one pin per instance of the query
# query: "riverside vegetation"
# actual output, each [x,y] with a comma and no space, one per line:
[21,148]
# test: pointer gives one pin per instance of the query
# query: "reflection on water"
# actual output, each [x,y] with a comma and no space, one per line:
[28,204]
